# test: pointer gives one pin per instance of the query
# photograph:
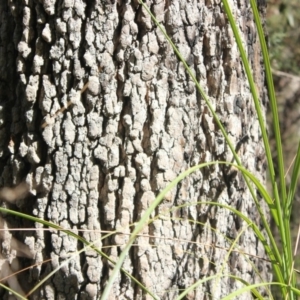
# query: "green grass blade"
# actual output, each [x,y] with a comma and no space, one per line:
[288,210]
[285,232]
[195,285]
[258,110]
[265,223]
[253,286]
[248,287]
[254,291]
[79,238]
[199,88]
[18,296]
[273,252]
[272,98]
[64,263]
[252,89]
[227,256]
[283,225]
[293,185]
[140,225]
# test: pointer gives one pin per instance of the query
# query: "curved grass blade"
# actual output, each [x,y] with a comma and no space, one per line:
[12,291]
[293,185]
[64,263]
[195,285]
[253,286]
[79,238]
[273,252]
[264,221]
[252,289]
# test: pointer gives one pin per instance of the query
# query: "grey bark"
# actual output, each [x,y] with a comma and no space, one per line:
[95,160]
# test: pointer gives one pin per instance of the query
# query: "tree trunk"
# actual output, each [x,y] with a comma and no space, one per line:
[98,116]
